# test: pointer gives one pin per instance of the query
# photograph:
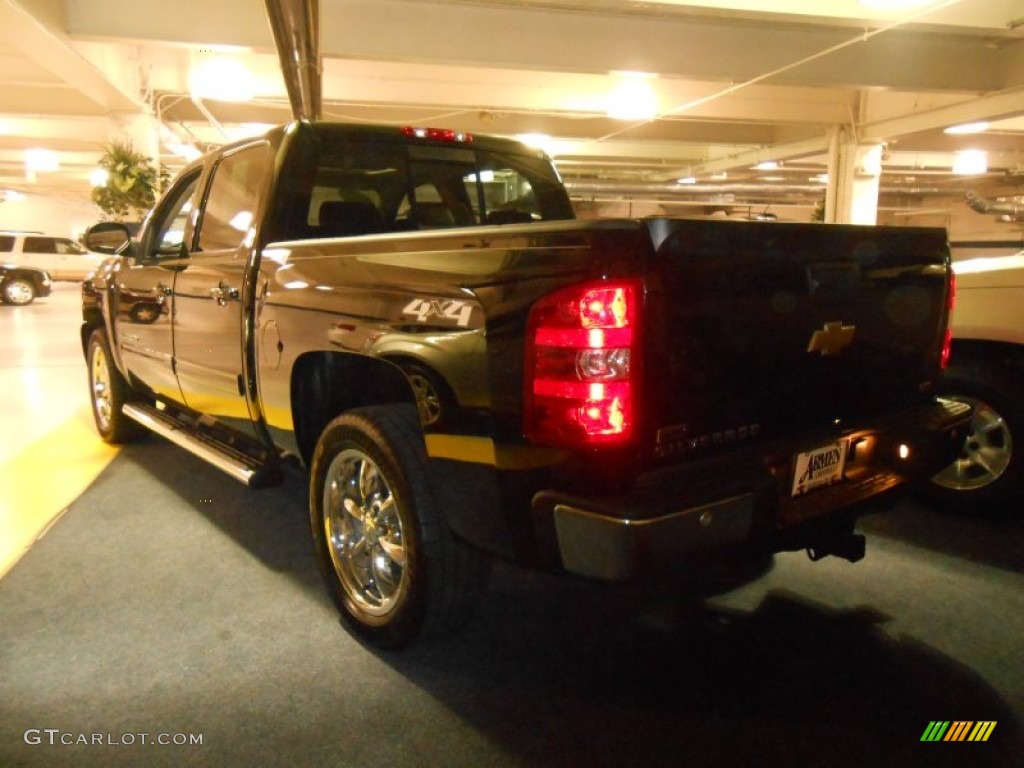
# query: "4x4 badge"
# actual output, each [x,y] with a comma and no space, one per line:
[832,339]
[452,310]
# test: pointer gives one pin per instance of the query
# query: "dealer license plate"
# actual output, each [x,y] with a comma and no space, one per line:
[822,466]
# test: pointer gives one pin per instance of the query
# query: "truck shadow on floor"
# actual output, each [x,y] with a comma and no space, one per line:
[556,671]
[605,680]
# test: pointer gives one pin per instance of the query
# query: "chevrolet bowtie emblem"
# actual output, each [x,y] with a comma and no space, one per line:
[832,339]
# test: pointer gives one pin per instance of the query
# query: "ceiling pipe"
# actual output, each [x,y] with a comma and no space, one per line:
[687,190]
[296,28]
[1006,210]
[205,112]
[739,190]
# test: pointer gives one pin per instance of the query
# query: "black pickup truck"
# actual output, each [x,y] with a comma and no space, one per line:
[466,371]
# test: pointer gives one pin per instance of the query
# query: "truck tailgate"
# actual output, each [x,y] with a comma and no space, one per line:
[763,331]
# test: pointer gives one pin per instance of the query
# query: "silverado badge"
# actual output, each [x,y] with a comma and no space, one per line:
[832,339]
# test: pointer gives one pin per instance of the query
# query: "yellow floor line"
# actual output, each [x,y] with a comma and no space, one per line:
[40,482]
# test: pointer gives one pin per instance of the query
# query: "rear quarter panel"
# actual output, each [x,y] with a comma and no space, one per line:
[455,300]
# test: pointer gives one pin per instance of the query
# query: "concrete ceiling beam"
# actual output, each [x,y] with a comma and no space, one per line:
[51,50]
[1009,103]
[748,158]
[571,40]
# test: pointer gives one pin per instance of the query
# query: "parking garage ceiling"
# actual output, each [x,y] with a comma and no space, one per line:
[628,97]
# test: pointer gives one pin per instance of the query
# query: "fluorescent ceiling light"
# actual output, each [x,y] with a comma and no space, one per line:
[222,78]
[966,128]
[970,162]
[41,160]
[539,141]
[484,177]
[687,180]
[871,163]
[633,98]
[767,165]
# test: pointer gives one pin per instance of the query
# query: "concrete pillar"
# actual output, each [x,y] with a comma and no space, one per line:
[854,173]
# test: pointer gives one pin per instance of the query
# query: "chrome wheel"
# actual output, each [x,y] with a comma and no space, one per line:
[19,292]
[389,561]
[108,392]
[986,453]
[364,534]
[102,396]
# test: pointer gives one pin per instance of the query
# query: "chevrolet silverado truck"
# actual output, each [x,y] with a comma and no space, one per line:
[414,317]
[986,369]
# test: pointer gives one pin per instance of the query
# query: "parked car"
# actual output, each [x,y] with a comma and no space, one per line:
[986,369]
[62,257]
[21,285]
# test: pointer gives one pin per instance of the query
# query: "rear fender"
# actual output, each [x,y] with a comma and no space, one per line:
[326,384]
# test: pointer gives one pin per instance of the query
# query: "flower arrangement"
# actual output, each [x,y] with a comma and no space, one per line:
[132,183]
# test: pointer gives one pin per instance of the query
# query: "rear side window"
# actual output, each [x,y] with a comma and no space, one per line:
[40,245]
[6,243]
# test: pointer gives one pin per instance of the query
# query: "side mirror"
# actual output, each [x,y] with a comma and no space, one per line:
[112,237]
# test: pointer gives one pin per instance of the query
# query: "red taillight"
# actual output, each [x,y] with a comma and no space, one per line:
[947,341]
[437,134]
[582,359]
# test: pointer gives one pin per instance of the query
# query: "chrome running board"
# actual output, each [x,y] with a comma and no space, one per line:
[247,469]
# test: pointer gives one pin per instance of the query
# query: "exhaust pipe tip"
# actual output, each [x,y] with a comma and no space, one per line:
[850,547]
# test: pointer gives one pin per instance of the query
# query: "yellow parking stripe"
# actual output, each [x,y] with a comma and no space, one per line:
[40,482]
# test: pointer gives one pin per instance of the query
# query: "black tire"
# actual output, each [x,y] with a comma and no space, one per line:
[108,392]
[389,561]
[19,291]
[988,474]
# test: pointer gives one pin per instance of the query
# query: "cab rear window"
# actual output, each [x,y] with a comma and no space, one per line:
[362,186]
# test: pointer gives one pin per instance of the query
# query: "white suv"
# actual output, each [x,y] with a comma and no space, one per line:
[62,257]
[986,369]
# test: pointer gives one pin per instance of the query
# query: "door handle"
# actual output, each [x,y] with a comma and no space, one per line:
[223,293]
